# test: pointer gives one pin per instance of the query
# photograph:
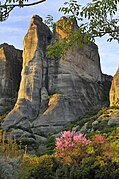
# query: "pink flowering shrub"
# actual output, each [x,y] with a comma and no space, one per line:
[70,146]
[99,139]
[99,144]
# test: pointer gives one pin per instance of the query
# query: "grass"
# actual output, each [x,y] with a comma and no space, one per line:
[9,146]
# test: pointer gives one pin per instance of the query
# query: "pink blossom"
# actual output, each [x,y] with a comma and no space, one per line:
[99,139]
[81,139]
[68,142]
[68,135]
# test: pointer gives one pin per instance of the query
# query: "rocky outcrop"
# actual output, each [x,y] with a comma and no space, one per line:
[84,61]
[113,121]
[10,76]
[107,78]
[55,92]
[64,26]
[71,95]
[114,91]
[28,103]
[76,86]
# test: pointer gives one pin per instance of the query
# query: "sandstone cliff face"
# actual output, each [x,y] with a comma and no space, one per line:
[114,91]
[53,93]
[10,76]
[64,27]
[75,85]
[73,93]
[84,61]
[29,95]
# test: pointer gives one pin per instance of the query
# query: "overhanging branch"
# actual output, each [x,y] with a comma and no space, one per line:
[23,5]
[5,8]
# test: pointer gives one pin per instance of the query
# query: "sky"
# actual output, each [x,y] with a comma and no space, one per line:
[13,30]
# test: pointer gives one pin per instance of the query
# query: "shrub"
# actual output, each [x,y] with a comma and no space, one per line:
[9,168]
[37,167]
[8,146]
[70,146]
[50,145]
[81,158]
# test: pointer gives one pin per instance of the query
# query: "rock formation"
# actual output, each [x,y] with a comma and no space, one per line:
[29,97]
[10,76]
[64,27]
[85,61]
[53,93]
[114,91]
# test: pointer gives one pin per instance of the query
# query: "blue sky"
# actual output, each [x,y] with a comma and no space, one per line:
[13,30]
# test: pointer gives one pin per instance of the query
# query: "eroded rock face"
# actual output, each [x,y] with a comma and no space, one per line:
[84,61]
[76,86]
[64,27]
[71,96]
[53,93]
[10,76]
[114,91]
[28,103]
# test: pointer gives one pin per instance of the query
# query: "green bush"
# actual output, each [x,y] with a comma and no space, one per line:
[50,145]
[89,168]
[38,167]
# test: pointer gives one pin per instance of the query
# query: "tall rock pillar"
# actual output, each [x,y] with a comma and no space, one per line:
[29,96]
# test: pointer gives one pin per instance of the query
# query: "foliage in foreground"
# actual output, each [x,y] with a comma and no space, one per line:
[76,157]
[10,156]
[8,5]
[8,145]
[95,19]
[37,167]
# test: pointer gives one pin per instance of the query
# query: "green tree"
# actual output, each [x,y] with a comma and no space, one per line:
[95,19]
[9,5]
[100,17]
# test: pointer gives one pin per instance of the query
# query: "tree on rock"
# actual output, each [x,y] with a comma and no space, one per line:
[96,19]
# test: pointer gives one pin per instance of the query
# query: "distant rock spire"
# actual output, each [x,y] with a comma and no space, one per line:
[114,91]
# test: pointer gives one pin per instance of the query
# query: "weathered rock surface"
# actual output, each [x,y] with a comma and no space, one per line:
[107,78]
[53,93]
[74,97]
[84,61]
[113,121]
[114,91]
[27,106]
[10,76]
[76,86]
[64,27]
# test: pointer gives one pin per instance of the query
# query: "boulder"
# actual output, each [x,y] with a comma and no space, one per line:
[113,121]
